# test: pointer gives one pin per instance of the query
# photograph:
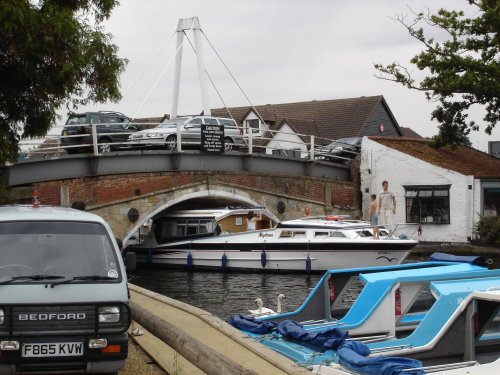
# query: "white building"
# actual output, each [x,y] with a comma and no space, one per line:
[446,191]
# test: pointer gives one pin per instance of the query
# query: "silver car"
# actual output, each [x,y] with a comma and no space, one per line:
[165,134]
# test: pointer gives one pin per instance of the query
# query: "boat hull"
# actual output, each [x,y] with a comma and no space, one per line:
[278,257]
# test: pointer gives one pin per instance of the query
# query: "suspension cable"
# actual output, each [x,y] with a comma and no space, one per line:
[234,78]
[213,83]
[161,75]
[148,64]
[237,84]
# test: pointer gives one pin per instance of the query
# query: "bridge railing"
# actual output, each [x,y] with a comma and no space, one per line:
[99,139]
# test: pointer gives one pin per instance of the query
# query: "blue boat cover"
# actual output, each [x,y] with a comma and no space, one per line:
[250,324]
[477,260]
[353,355]
[330,339]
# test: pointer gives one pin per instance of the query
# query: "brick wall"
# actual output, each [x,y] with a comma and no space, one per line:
[106,189]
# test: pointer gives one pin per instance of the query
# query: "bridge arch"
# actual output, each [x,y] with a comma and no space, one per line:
[183,195]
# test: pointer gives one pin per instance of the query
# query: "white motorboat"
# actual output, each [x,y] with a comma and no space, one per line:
[308,244]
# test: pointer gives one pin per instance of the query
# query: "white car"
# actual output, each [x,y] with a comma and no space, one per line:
[165,134]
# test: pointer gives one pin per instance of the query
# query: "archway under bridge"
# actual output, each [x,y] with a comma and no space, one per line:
[205,199]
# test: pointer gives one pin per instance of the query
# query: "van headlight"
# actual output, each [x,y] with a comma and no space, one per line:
[109,314]
[2,316]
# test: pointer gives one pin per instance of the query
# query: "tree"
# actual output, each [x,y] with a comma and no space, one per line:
[464,69]
[52,52]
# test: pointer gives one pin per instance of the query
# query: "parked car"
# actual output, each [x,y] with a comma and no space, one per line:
[340,150]
[165,134]
[111,127]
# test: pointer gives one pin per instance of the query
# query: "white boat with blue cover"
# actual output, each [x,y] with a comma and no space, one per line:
[359,299]
[460,334]
[383,311]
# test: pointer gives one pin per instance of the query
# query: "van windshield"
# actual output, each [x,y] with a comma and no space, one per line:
[66,249]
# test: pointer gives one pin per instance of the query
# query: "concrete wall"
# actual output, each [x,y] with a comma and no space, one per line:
[380,163]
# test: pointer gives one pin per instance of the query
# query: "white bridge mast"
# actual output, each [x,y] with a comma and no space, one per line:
[190,24]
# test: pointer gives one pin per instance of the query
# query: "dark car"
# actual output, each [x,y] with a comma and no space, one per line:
[111,127]
[341,150]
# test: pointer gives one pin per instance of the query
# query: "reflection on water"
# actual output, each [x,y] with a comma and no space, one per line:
[223,294]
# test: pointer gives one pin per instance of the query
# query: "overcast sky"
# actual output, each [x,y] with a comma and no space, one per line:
[280,51]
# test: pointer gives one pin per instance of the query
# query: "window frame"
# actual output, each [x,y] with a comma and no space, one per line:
[422,202]
[250,123]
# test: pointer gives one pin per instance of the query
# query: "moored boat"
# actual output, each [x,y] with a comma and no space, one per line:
[459,336]
[444,331]
[310,245]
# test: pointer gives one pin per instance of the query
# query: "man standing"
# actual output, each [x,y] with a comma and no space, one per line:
[386,207]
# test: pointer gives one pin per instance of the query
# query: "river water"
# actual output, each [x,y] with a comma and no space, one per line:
[223,294]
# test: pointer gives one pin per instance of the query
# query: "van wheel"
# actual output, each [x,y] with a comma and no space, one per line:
[104,148]
[171,143]
[228,144]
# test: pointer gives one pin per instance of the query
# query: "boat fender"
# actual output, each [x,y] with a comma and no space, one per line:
[263,258]
[397,300]
[190,260]
[224,261]
[331,291]
[308,265]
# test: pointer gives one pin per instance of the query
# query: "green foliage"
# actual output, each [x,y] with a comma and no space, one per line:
[488,229]
[463,71]
[52,52]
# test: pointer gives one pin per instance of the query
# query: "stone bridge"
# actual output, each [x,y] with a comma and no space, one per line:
[128,188]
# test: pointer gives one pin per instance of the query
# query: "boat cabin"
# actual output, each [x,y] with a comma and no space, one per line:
[192,224]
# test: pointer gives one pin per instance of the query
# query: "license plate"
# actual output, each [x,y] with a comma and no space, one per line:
[53,349]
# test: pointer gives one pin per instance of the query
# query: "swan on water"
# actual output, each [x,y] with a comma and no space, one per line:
[278,304]
[261,310]
[264,310]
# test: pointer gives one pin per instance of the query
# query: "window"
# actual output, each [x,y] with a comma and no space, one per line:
[427,204]
[320,234]
[55,248]
[95,118]
[491,202]
[110,119]
[168,229]
[210,121]
[227,122]
[194,121]
[491,330]
[254,124]
[336,234]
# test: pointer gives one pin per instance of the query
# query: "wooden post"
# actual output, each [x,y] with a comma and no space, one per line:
[202,356]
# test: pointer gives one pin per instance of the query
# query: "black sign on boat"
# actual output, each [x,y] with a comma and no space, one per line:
[212,138]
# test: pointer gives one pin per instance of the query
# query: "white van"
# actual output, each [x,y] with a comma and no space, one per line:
[64,303]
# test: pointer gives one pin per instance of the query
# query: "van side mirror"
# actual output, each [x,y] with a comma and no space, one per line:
[130,261]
